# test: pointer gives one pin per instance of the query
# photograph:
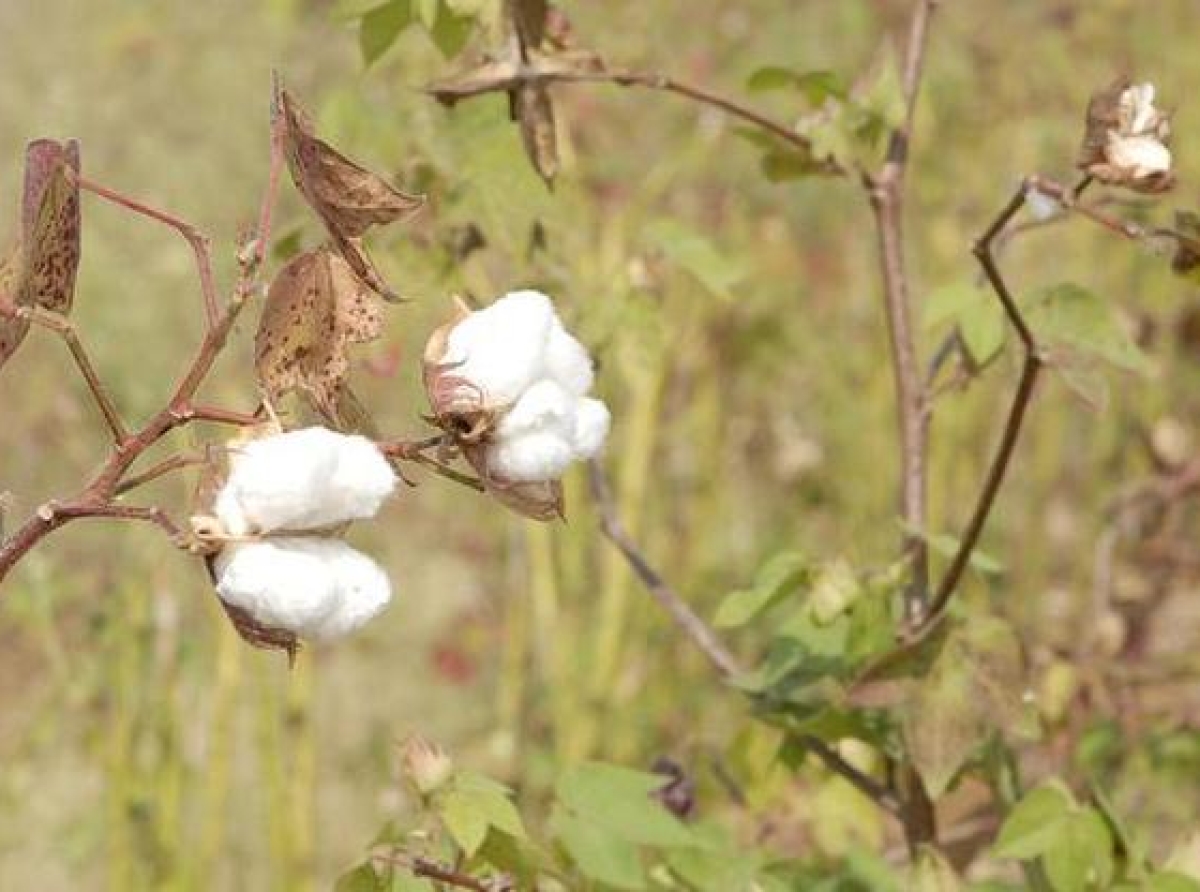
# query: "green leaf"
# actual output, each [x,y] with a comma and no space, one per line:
[1034,825]
[403,881]
[1082,859]
[361,879]
[973,689]
[931,872]
[975,312]
[1170,881]
[697,255]
[380,27]
[471,805]
[816,86]
[1070,322]
[599,853]
[777,579]
[947,546]
[451,32]
[346,10]
[620,800]
[834,591]
[426,12]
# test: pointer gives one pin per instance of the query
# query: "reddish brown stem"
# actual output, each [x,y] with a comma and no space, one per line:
[198,242]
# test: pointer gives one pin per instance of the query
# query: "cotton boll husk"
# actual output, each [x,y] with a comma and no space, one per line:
[592,421]
[545,406]
[530,458]
[287,583]
[567,361]
[501,348]
[363,591]
[362,480]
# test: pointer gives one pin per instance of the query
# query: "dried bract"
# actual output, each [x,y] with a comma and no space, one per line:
[1126,137]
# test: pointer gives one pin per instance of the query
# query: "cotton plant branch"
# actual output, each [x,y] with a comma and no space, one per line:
[886,192]
[99,497]
[707,641]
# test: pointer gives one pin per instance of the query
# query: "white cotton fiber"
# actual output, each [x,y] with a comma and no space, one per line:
[363,591]
[592,421]
[501,348]
[283,583]
[545,406]
[531,457]
[318,588]
[567,361]
[301,480]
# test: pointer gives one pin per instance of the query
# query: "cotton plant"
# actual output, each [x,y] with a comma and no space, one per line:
[512,386]
[277,516]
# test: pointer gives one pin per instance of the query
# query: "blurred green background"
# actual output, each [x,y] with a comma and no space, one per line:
[143,745]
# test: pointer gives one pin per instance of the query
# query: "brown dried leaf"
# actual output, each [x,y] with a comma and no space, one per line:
[528,19]
[40,272]
[315,310]
[535,114]
[348,198]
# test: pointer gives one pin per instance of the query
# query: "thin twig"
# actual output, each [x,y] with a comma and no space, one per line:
[198,242]
[427,868]
[685,618]
[873,789]
[164,467]
[62,326]
[1016,416]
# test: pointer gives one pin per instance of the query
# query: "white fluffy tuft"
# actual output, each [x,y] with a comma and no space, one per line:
[543,407]
[316,588]
[303,479]
[592,421]
[501,348]
[567,361]
[531,457]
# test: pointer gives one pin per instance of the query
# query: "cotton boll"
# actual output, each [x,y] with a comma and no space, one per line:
[567,361]
[363,591]
[592,421]
[283,583]
[531,457]
[545,406]
[303,479]
[361,481]
[501,348]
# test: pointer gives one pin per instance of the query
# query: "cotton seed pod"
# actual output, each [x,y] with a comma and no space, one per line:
[1125,138]
[425,765]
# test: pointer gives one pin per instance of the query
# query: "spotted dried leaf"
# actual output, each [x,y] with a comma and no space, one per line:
[40,271]
[315,311]
[347,197]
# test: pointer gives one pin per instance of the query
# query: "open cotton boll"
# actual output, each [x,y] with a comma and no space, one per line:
[530,458]
[1141,156]
[283,583]
[545,406]
[592,421]
[303,479]
[501,348]
[567,361]
[363,589]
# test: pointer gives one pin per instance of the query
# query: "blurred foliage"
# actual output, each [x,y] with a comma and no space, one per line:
[736,320]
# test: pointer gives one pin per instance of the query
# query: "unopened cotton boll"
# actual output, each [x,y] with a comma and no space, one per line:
[316,588]
[303,479]
[592,421]
[501,348]
[530,457]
